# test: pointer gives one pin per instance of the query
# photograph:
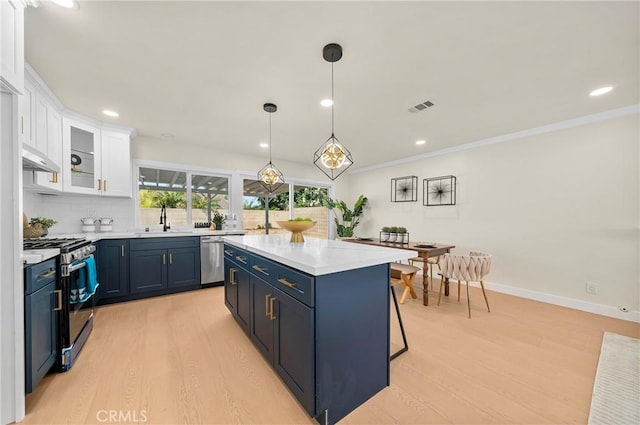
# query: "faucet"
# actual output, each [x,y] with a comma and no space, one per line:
[163,218]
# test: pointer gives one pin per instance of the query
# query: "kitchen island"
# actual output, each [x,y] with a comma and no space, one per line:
[318,311]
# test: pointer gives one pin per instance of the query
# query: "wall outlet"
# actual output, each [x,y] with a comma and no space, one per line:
[592,288]
[623,309]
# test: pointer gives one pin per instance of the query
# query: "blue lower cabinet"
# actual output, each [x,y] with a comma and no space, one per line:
[41,334]
[113,268]
[184,267]
[237,293]
[148,270]
[262,329]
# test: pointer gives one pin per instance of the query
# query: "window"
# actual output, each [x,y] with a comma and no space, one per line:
[185,204]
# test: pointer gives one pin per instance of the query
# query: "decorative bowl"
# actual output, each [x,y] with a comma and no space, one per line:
[296,228]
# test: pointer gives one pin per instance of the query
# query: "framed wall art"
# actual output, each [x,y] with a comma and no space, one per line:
[439,191]
[404,189]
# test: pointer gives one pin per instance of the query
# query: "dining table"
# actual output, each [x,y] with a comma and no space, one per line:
[424,250]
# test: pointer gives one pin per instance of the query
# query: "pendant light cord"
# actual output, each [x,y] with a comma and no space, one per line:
[269,137]
[332,99]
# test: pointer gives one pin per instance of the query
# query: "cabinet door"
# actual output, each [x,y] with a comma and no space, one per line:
[41,334]
[230,285]
[48,140]
[243,301]
[116,164]
[81,172]
[27,115]
[113,268]
[148,270]
[262,328]
[12,44]
[184,267]
[293,356]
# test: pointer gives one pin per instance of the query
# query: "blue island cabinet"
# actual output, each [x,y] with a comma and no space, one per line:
[326,336]
[236,286]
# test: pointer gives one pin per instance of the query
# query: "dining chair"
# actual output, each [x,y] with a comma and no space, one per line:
[467,268]
[431,262]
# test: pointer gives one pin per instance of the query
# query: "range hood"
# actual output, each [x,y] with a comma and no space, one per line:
[34,160]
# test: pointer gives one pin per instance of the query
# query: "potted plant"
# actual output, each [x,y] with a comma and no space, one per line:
[393,234]
[384,234]
[217,220]
[403,236]
[44,222]
[346,219]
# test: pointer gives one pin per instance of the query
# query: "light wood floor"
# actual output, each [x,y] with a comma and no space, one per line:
[182,359]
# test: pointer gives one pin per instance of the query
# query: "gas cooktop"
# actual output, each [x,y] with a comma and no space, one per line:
[64,244]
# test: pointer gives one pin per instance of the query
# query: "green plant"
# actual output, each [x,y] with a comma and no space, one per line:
[300,219]
[346,219]
[386,229]
[402,230]
[218,218]
[44,222]
[393,229]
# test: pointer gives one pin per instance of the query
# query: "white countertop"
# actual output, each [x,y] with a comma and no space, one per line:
[96,236]
[318,256]
[35,256]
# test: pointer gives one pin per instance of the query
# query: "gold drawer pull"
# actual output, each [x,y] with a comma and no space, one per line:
[243,260]
[261,269]
[46,275]
[272,316]
[287,283]
[267,313]
[229,253]
[232,276]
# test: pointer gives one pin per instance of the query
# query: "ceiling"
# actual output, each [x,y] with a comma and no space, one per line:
[201,71]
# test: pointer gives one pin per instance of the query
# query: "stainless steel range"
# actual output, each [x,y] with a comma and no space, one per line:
[76,289]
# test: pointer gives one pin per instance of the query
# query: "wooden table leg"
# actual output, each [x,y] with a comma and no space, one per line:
[425,284]
[446,286]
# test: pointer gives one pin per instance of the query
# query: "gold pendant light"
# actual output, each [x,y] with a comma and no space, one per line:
[269,176]
[332,158]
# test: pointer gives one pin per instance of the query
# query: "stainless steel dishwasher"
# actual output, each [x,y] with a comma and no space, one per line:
[211,260]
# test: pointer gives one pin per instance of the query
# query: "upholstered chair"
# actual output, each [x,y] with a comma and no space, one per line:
[467,268]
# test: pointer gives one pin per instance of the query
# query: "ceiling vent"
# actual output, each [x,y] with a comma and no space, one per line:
[422,106]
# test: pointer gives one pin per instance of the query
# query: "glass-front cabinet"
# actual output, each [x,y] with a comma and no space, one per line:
[81,166]
[95,161]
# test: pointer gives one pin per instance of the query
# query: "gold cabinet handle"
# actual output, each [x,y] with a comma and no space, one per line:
[104,186]
[229,253]
[122,250]
[46,275]
[243,260]
[267,313]
[58,293]
[164,258]
[170,258]
[232,276]
[272,315]
[99,184]
[261,269]
[285,282]
[54,178]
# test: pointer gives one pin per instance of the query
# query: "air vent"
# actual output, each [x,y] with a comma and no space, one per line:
[422,106]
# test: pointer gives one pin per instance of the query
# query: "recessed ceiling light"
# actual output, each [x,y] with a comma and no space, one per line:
[69,4]
[420,142]
[326,102]
[111,113]
[264,145]
[601,91]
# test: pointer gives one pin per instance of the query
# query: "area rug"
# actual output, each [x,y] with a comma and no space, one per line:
[616,390]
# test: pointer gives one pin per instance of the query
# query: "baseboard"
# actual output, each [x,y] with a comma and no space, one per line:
[604,310]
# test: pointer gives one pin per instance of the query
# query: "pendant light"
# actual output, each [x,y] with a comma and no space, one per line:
[332,158]
[269,176]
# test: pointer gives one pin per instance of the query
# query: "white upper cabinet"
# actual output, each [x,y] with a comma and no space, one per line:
[95,161]
[26,124]
[12,44]
[48,140]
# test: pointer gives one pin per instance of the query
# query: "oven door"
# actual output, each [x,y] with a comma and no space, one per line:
[78,307]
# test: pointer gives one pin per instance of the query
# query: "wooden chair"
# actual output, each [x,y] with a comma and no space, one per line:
[468,268]
[406,274]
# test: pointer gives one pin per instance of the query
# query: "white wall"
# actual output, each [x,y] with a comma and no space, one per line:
[556,210]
